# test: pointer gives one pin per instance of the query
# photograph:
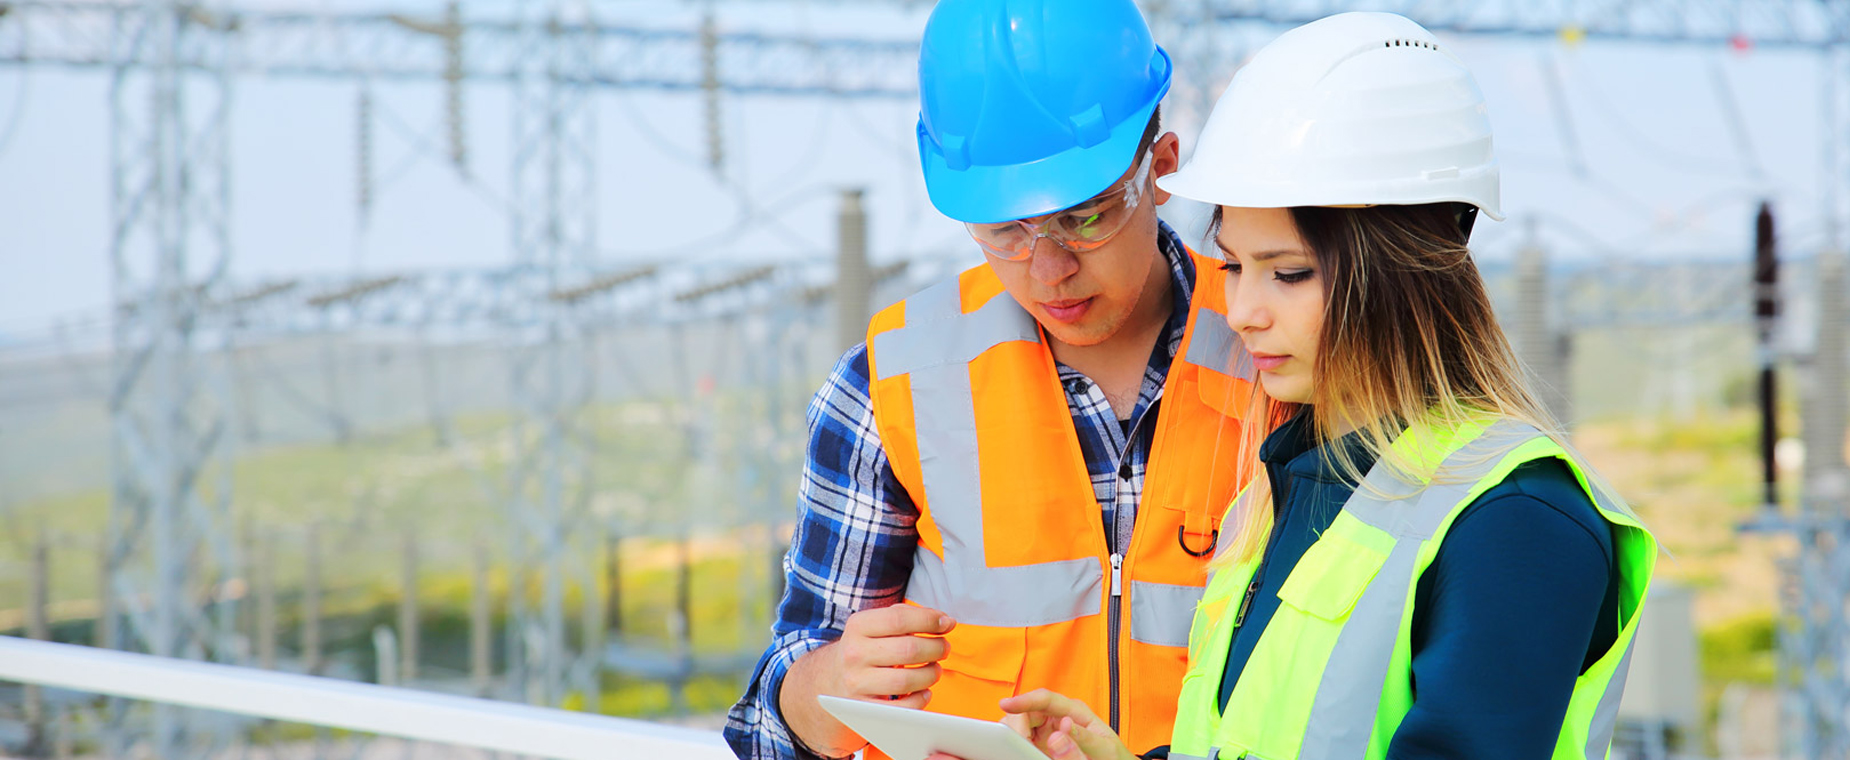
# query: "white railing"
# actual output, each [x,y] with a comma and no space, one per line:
[417,715]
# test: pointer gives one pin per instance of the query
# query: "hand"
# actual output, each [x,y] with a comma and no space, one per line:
[886,655]
[1062,727]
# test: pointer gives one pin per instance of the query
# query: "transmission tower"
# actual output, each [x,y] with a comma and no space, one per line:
[554,225]
[169,247]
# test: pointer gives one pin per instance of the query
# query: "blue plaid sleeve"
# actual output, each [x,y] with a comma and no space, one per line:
[852,550]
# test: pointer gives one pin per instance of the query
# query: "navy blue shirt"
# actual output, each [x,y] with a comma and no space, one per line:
[1521,598]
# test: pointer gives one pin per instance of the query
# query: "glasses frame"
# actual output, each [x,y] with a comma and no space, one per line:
[1132,192]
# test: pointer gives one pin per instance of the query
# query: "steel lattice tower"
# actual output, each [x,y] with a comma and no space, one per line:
[170,244]
[554,227]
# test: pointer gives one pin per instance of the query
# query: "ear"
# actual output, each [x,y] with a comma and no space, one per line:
[1165,158]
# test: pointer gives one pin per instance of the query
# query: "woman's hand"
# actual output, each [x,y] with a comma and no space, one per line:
[1062,727]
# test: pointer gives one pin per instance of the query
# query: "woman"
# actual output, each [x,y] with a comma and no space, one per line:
[1421,569]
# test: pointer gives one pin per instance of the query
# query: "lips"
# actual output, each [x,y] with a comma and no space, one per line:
[1269,362]
[1067,310]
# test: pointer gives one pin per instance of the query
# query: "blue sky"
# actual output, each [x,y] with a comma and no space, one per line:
[1658,171]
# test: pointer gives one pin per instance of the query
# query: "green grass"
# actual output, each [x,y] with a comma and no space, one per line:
[365,495]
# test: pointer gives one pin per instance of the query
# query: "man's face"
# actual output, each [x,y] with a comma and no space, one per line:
[1085,298]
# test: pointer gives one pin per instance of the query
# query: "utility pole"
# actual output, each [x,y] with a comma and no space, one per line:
[1538,344]
[853,282]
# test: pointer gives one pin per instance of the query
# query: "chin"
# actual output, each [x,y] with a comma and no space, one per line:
[1287,391]
[1077,335]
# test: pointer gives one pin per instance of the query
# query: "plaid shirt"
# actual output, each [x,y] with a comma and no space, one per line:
[855,535]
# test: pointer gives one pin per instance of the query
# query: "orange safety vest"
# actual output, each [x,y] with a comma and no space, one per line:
[976,426]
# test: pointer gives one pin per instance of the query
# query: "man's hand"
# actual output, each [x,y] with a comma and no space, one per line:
[885,655]
[1063,727]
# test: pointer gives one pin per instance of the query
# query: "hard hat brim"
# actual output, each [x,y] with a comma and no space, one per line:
[1197,183]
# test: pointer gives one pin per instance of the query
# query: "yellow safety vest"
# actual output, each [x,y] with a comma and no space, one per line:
[1331,676]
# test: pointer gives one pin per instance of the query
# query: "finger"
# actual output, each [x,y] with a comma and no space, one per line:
[915,701]
[1020,723]
[1044,733]
[898,651]
[1054,704]
[1094,742]
[1034,726]
[897,620]
[1060,746]
[888,681]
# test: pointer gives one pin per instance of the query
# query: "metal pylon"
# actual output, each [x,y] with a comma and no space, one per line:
[555,239]
[168,544]
[1815,631]
[1814,635]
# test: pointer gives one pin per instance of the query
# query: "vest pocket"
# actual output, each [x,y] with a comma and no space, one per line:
[983,668]
[1331,576]
[1230,396]
[1280,680]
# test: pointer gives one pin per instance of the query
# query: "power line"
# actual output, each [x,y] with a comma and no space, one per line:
[389,47]
[1646,145]
[1737,122]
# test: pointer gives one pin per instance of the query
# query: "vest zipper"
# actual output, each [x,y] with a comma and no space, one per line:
[1246,602]
[1112,618]
[1114,613]
[1265,554]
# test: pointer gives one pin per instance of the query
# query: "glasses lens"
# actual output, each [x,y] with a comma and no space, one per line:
[1006,240]
[1092,226]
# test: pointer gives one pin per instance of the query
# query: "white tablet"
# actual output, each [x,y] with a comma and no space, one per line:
[907,734]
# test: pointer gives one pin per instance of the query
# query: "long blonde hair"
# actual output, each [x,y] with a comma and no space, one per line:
[1409,343]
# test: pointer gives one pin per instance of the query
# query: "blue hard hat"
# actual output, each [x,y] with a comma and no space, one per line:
[1030,106]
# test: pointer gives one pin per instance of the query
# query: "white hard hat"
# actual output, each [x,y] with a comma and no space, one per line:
[1357,109]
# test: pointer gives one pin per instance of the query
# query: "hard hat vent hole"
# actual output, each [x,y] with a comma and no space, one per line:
[1410,43]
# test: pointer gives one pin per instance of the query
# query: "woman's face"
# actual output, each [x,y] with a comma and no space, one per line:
[1275,296]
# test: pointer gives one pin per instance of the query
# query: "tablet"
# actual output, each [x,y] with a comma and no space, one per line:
[907,734]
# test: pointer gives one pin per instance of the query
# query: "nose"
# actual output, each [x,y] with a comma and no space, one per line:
[1051,263]
[1247,310]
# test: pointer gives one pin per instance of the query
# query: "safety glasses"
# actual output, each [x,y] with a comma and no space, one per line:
[1080,228]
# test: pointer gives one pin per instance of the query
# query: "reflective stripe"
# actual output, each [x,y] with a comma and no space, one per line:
[1215,347]
[936,352]
[938,333]
[1606,715]
[1007,597]
[1342,715]
[1161,613]
[1599,733]
[1213,754]
[1456,475]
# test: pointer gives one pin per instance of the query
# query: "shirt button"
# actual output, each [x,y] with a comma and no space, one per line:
[1124,471]
[1078,385]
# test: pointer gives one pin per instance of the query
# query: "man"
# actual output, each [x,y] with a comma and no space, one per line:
[985,455]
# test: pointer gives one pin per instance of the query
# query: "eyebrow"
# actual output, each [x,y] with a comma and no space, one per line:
[1262,255]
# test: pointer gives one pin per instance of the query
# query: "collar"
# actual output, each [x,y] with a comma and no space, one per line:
[1294,449]
[1182,278]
